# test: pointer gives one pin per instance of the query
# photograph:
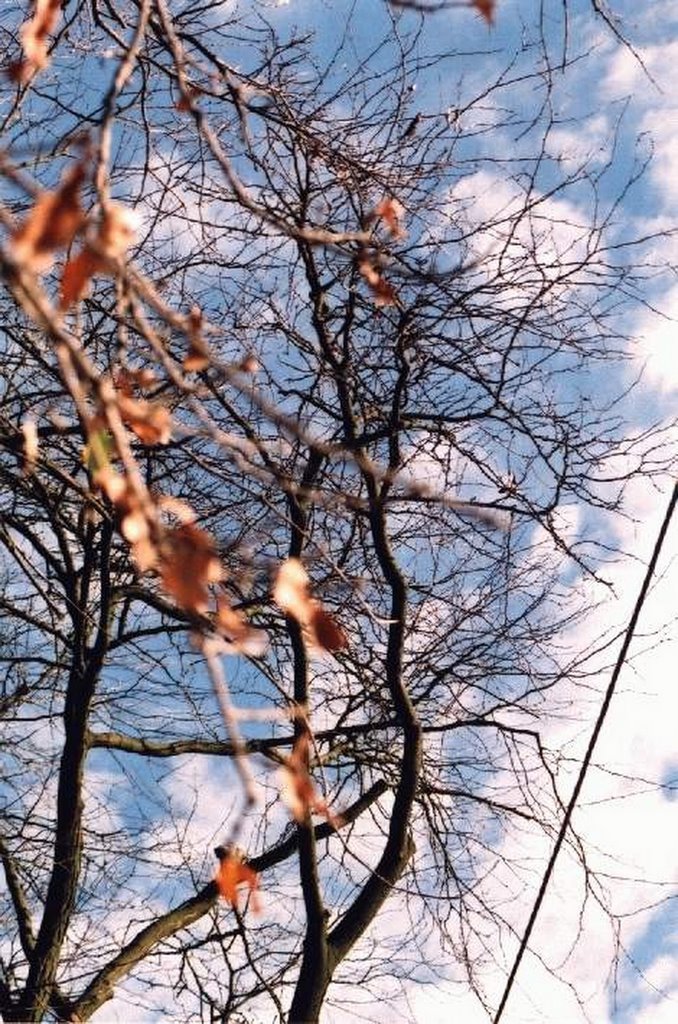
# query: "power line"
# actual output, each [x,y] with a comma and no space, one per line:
[621,658]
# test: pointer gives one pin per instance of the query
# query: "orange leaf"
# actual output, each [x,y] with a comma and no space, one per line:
[112,483]
[198,356]
[113,238]
[134,527]
[248,364]
[117,230]
[188,564]
[485,9]
[296,787]
[52,224]
[76,277]
[185,102]
[151,422]
[145,554]
[137,524]
[128,380]
[384,294]
[232,872]
[34,39]
[292,595]
[392,213]
[30,431]
[234,627]
[290,591]
[325,631]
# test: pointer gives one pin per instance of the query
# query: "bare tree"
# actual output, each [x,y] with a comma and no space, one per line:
[351,337]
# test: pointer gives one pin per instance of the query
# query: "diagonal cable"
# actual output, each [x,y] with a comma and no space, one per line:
[621,658]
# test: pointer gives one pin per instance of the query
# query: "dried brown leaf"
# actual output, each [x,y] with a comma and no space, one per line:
[137,523]
[325,631]
[233,872]
[33,34]
[198,355]
[30,431]
[76,277]
[111,241]
[485,9]
[384,295]
[185,102]
[112,483]
[291,590]
[297,790]
[242,638]
[150,421]
[188,563]
[391,212]
[249,364]
[117,230]
[292,595]
[52,224]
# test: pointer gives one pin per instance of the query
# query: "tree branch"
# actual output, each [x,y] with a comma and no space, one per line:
[100,989]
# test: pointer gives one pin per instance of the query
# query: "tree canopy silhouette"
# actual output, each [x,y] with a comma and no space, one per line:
[312,407]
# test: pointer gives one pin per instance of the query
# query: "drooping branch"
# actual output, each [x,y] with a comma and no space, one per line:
[100,989]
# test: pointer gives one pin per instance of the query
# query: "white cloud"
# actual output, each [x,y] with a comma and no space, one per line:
[551,230]
[586,143]
[653,88]
[658,348]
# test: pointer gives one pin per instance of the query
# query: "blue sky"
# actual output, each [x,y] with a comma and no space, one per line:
[607,99]
[604,100]
[609,96]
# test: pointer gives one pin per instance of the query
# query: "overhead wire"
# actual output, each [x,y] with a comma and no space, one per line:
[586,762]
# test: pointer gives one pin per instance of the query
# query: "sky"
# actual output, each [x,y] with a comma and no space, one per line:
[628,812]
[628,809]
[581,966]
